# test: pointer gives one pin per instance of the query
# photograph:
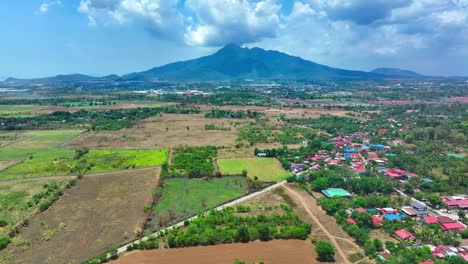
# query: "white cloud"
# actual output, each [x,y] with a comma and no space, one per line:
[45,6]
[232,21]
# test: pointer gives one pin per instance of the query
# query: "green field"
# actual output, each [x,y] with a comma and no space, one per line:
[184,197]
[266,169]
[18,110]
[13,199]
[55,161]
[107,160]
[39,139]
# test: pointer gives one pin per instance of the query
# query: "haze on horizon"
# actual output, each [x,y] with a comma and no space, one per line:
[100,37]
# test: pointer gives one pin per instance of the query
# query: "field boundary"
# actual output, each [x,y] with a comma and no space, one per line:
[61,145]
[16,141]
[14,164]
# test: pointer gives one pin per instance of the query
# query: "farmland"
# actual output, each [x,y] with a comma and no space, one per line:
[46,162]
[14,199]
[18,110]
[184,197]
[168,130]
[41,139]
[266,169]
[100,211]
[272,252]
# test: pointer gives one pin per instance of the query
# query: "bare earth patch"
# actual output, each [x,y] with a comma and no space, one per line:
[161,132]
[51,109]
[99,212]
[273,252]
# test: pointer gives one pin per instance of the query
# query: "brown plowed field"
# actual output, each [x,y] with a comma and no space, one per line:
[273,252]
[99,212]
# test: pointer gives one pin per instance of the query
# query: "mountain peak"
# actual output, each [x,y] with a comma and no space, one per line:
[230,48]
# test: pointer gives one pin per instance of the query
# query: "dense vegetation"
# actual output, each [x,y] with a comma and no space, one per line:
[227,227]
[193,162]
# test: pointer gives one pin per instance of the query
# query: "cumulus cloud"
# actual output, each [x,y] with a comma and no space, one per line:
[161,18]
[232,21]
[195,22]
[44,7]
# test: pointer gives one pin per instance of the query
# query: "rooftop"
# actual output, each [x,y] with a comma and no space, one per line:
[332,192]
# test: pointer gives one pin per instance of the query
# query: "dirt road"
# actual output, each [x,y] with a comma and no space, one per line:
[306,204]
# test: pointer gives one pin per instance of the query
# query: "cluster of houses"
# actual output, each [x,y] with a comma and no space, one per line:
[459,202]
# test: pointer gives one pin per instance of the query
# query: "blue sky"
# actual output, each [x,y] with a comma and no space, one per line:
[99,37]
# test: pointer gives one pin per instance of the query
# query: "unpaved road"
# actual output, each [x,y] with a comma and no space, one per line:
[306,205]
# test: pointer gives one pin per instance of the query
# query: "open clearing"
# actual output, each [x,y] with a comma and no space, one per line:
[38,139]
[17,110]
[266,169]
[13,199]
[272,252]
[100,211]
[160,132]
[55,161]
[184,197]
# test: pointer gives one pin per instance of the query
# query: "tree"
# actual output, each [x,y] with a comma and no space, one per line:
[369,248]
[360,202]
[264,233]
[242,235]
[325,251]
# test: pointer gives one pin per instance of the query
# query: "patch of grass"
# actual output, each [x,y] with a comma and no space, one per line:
[266,169]
[44,139]
[39,162]
[184,197]
[45,162]
[48,234]
[287,199]
[16,110]
[108,160]
[15,198]
[354,257]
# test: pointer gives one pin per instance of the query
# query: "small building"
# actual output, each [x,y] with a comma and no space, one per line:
[361,210]
[457,227]
[393,217]
[336,192]
[419,209]
[377,221]
[351,221]
[430,219]
[261,154]
[404,235]
[427,180]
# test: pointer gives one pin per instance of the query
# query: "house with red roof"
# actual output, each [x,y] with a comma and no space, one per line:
[351,221]
[404,235]
[430,219]
[457,227]
[377,221]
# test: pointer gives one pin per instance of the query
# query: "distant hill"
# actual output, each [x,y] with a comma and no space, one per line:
[234,62]
[69,78]
[231,62]
[394,72]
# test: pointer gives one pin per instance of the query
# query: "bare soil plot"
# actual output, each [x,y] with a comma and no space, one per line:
[100,211]
[272,252]
[167,131]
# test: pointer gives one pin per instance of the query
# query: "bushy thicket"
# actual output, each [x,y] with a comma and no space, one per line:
[193,161]
[221,227]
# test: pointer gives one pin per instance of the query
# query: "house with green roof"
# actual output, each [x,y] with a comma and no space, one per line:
[336,192]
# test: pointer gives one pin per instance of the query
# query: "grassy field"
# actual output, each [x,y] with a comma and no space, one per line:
[13,199]
[266,169]
[107,160]
[41,138]
[39,162]
[183,197]
[18,110]
[55,161]
[97,213]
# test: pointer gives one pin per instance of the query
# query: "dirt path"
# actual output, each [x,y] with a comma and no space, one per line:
[305,205]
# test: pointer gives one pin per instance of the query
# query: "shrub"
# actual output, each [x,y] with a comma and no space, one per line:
[325,251]
[4,241]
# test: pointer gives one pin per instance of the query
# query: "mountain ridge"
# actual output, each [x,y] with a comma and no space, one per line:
[233,62]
